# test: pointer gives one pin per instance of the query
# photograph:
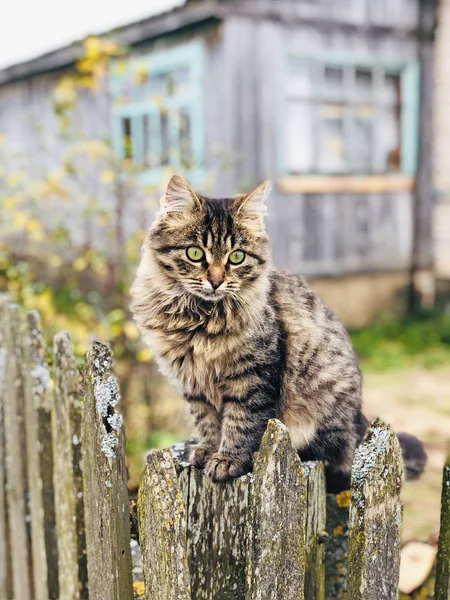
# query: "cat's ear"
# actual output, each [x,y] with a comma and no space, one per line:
[179,199]
[252,207]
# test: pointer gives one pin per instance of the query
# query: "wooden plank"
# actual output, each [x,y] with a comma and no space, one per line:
[40,462]
[66,437]
[312,184]
[277,520]
[107,514]
[336,548]
[442,588]
[16,472]
[162,530]
[216,542]
[6,590]
[315,531]
[375,516]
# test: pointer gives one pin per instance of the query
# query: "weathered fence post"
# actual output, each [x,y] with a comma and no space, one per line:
[66,438]
[315,531]
[40,462]
[162,530]
[16,471]
[442,588]
[107,511]
[6,589]
[277,521]
[375,517]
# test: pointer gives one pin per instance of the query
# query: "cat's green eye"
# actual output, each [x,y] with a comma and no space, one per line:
[236,257]
[195,253]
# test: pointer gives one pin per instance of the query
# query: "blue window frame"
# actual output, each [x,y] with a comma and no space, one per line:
[348,115]
[157,111]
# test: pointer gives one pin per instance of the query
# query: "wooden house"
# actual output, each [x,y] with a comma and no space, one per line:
[330,99]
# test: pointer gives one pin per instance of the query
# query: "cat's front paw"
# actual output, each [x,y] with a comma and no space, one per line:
[223,468]
[199,457]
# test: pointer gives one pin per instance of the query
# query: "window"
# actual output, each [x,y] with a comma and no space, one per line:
[349,118]
[157,111]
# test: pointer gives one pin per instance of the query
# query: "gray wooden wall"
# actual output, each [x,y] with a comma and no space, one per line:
[315,234]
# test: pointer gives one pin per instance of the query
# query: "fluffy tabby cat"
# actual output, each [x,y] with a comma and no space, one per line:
[245,342]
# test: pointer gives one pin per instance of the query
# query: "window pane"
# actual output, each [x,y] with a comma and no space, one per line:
[390,90]
[331,154]
[165,144]
[333,82]
[126,138]
[388,132]
[300,78]
[300,137]
[362,139]
[363,85]
[186,154]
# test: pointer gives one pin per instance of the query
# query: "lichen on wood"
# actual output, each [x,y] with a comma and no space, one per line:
[162,530]
[106,504]
[40,461]
[375,516]
[442,589]
[277,521]
[67,469]
[216,544]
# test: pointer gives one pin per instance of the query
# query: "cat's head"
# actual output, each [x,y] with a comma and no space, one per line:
[214,248]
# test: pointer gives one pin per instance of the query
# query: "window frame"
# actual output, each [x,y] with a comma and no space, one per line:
[409,72]
[189,54]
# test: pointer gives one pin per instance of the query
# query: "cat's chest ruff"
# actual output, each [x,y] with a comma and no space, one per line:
[195,362]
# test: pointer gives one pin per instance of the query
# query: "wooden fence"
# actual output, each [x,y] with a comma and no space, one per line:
[270,535]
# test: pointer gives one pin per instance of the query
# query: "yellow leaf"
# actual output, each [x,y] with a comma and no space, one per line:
[143,355]
[33,225]
[80,263]
[9,203]
[91,47]
[55,261]
[139,587]
[106,176]
[130,330]
[20,219]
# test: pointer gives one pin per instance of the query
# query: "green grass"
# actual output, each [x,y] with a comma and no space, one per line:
[394,343]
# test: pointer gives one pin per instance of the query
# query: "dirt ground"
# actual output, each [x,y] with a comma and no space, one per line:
[417,401]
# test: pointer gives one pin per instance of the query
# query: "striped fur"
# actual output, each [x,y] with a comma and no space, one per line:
[262,345]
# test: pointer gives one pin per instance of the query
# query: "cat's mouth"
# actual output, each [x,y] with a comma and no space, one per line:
[212,296]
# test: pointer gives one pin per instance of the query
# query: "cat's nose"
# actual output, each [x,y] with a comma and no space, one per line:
[215,282]
[216,277]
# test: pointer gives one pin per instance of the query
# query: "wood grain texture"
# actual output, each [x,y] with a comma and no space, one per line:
[6,589]
[315,531]
[66,438]
[16,471]
[375,516]
[277,521]
[106,504]
[162,530]
[442,589]
[331,184]
[40,461]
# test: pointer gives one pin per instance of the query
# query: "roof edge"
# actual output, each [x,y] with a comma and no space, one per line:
[128,35]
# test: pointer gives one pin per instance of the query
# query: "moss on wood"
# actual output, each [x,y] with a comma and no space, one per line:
[442,591]
[162,530]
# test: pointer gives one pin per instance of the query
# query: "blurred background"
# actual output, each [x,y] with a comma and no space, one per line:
[344,104]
